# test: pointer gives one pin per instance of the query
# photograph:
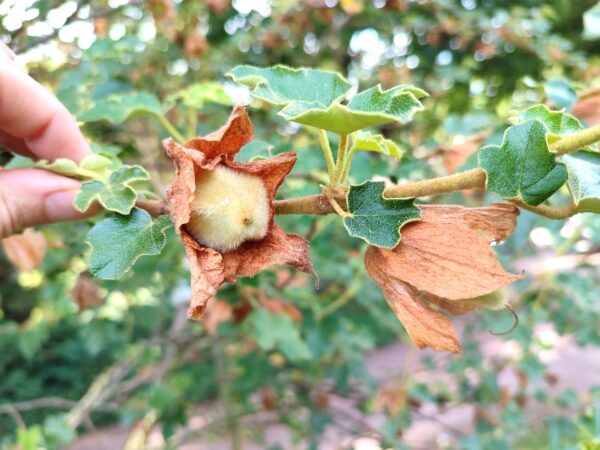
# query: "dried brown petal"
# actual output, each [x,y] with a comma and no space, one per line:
[206,270]
[281,307]
[277,247]
[448,254]
[86,293]
[426,327]
[445,260]
[226,142]
[218,311]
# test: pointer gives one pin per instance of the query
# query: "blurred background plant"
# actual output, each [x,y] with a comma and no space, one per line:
[277,364]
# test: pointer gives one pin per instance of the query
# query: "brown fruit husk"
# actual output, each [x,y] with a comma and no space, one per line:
[210,268]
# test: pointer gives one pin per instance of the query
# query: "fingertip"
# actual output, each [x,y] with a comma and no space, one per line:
[61,138]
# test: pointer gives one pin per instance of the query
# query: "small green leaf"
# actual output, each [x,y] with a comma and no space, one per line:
[117,108]
[92,166]
[115,194]
[365,141]
[376,219]
[522,167]
[583,168]
[558,123]
[197,94]
[278,331]
[314,97]
[117,242]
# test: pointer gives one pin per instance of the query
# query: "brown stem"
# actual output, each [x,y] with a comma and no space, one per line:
[153,207]
[551,212]
[319,204]
[470,179]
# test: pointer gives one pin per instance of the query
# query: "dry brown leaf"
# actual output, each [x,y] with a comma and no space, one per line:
[448,254]
[446,260]
[195,45]
[218,6]
[455,155]
[281,307]
[26,250]
[218,311]
[210,268]
[426,327]
[392,398]
[588,110]
[86,293]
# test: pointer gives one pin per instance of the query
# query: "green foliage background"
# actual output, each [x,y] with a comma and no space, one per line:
[480,60]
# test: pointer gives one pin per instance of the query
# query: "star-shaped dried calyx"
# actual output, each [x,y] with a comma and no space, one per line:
[223,210]
[444,260]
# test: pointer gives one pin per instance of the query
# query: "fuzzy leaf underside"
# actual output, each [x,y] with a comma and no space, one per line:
[313,97]
[97,164]
[115,194]
[365,141]
[117,242]
[583,168]
[376,219]
[117,108]
[522,167]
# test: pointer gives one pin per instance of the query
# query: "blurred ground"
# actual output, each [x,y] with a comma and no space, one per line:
[570,366]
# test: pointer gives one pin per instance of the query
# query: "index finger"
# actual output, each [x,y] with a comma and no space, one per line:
[29,112]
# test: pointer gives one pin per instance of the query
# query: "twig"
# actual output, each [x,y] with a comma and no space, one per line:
[576,141]
[327,153]
[550,212]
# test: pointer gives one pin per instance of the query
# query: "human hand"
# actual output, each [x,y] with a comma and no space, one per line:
[34,123]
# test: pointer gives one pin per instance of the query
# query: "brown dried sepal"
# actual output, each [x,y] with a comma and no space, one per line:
[210,268]
[443,260]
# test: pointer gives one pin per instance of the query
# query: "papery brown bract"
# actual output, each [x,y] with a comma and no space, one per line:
[210,268]
[444,260]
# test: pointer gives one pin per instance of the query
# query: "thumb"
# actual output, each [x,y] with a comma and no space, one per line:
[31,197]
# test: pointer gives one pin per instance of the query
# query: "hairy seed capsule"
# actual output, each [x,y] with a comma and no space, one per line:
[229,208]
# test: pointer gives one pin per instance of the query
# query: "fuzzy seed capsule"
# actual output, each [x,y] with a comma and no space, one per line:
[229,208]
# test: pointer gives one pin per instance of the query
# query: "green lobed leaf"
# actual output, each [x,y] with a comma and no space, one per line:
[197,94]
[117,242]
[117,108]
[281,85]
[365,141]
[376,219]
[558,123]
[522,167]
[115,194]
[583,168]
[369,108]
[278,331]
[313,97]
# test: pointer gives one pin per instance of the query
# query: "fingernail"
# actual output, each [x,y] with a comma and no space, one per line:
[59,206]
